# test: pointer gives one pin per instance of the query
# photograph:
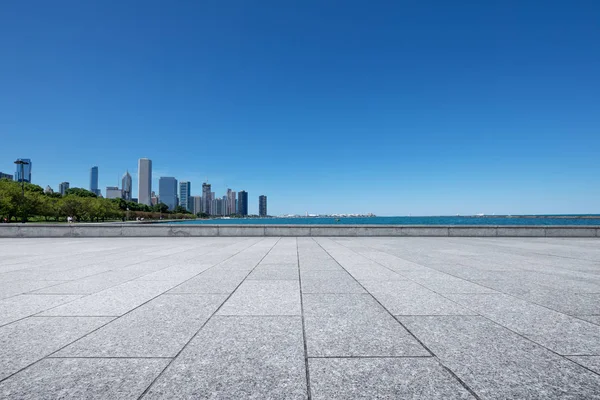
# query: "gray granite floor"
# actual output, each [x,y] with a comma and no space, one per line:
[305,318]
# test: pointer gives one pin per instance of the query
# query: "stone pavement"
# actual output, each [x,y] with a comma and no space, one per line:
[287,318]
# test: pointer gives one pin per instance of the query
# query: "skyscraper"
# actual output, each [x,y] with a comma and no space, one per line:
[126,186]
[23,172]
[262,206]
[185,189]
[243,202]
[6,176]
[206,198]
[196,202]
[167,191]
[113,192]
[94,181]
[145,180]
[230,202]
[62,188]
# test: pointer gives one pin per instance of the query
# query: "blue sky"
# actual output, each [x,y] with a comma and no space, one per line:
[392,107]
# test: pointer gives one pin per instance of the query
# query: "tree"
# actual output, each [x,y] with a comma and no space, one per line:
[181,210]
[79,192]
[160,207]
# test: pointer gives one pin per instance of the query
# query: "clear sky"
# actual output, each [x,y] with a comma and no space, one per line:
[392,107]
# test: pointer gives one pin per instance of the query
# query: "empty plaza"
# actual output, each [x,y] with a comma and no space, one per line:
[300,318]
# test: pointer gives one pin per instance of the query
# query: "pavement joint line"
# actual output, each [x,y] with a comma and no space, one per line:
[458,379]
[208,319]
[103,325]
[306,367]
[489,319]
[367,357]
[108,358]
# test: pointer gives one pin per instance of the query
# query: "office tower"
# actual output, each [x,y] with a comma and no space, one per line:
[167,191]
[126,186]
[262,206]
[62,188]
[48,190]
[94,181]
[206,204]
[185,189]
[231,202]
[196,204]
[144,180]
[113,192]
[225,205]
[23,170]
[6,176]
[242,202]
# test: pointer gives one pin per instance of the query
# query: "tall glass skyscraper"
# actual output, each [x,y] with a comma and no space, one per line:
[126,186]
[243,202]
[185,189]
[262,206]
[23,172]
[167,191]
[206,198]
[145,181]
[94,180]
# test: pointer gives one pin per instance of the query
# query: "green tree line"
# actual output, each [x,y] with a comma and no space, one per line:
[78,203]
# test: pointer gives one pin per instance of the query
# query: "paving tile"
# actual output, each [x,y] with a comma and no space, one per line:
[159,328]
[114,301]
[559,332]
[499,364]
[31,339]
[17,307]
[410,298]
[591,362]
[275,272]
[239,358]
[15,288]
[594,319]
[329,282]
[275,297]
[91,284]
[383,378]
[83,379]
[354,325]
[444,283]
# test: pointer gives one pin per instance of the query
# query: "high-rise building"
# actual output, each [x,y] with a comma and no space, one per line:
[94,181]
[6,176]
[153,198]
[243,202]
[206,198]
[62,188]
[167,191]
[23,170]
[225,205]
[48,190]
[262,206]
[196,203]
[126,184]
[144,181]
[185,189]
[230,202]
[113,192]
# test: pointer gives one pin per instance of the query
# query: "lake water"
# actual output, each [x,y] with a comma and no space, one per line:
[538,220]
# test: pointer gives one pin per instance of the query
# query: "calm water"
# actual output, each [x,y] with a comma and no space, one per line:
[539,220]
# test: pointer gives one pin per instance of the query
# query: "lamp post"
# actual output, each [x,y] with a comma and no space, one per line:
[22,164]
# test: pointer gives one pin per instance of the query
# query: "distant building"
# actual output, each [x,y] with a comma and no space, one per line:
[126,184]
[62,188]
[225,205]
[23,171]
[6,176]
[144,180]
[230,202]
[206,198]
[243,202]
[167,191]
[94,181]
[196,203]
[185,189]
[48,190]
[113,192]
[262,206]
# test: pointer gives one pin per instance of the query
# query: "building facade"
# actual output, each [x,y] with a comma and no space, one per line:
[231,202]
[262,205]
[144,181]
[23,171]
[94,181]
[206,198]
[113,192]
[167,191]
[243,203]
[196,202]
[185,189]
[62,188]
[6,176]
[127,186]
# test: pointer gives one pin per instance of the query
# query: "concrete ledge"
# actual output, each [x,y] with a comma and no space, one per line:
[184,230]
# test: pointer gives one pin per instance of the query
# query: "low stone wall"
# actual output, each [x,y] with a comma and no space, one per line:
[171,230]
